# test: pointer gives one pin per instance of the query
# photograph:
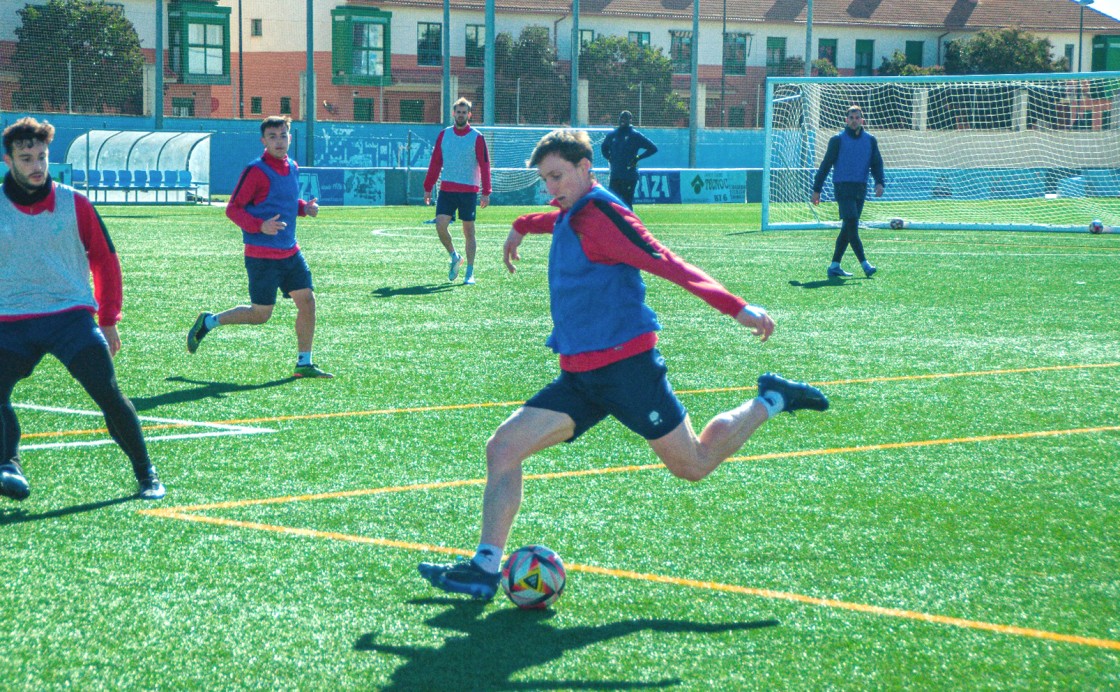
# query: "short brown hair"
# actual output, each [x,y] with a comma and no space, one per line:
[463,102]
[27,131]
[854,109]
[275,121]
[570,145]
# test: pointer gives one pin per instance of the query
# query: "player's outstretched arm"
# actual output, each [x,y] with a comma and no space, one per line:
[755,319]
[509,250]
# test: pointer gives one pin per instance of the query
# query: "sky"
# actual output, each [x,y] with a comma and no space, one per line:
[1109,7]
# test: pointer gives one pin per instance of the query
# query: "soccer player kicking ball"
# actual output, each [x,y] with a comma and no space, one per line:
[605,335]
[53,240]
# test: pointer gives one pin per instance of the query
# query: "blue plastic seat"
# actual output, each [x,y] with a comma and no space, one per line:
[78,177]
[140,179]
[108,178]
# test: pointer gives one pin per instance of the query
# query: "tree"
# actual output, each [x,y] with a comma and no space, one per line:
[622,75]
[1000,51]
[79,54]
[823,67]
[897,65]
[527,80]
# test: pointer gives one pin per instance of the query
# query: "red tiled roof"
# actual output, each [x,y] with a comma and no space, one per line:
[946,15]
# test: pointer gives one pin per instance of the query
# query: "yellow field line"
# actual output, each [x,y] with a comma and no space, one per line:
[857,607]
[498,404]
[663,579]
[642,467]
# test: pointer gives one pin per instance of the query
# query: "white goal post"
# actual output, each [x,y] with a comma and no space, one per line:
[1033,152]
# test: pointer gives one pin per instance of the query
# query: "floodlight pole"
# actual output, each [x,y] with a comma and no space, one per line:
[309,108]
[1080,30]
[723,67]
[446,40]
[488,62]
[157,102]
[574,115]
[809,38]
[694,90]
[240,65]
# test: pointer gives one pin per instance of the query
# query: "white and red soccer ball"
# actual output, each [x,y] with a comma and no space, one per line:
[533,577]
[1095,226]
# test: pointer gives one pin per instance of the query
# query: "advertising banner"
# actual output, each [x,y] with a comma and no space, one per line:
[336,187]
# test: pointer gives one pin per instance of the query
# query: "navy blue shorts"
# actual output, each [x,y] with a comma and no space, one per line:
[849,199]
[447,203]
[636,391]
[63,335]
[268,275]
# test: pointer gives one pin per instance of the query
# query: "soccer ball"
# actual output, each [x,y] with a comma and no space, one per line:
[1095,226]
[897,224]
[533,577]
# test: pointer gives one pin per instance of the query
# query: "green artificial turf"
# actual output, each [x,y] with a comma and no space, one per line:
[949,523]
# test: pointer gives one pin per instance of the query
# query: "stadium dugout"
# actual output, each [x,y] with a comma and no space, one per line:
[141,166]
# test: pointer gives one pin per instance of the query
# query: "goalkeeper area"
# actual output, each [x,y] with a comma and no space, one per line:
[1003,152]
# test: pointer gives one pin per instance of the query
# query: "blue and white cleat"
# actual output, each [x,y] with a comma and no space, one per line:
[12,482]
[463,577]
[456,262]
[837,272]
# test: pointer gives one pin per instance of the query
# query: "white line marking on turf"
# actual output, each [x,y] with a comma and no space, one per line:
[220,429]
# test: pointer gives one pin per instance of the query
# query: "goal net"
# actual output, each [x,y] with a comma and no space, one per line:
[511,147]
[1001,152]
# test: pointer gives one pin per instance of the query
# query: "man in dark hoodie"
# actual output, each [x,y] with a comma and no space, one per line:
[623,149]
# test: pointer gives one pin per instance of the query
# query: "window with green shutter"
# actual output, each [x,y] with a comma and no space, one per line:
[865,57]
[360,46]
[198,33]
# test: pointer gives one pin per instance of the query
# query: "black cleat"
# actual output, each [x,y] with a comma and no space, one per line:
[12,482]
[197,332]
[796,395]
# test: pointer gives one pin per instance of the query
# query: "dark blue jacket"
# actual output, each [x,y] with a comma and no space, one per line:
[620,149]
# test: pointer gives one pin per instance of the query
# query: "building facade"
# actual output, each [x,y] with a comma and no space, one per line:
[384,61]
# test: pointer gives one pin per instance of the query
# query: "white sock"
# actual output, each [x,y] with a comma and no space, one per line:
[304,358]
[773,401]
[488,557]
[211,322]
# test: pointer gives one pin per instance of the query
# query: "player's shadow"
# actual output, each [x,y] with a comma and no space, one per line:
[425,290]
[830,282]
[16,515]
[204,390]
[497,646]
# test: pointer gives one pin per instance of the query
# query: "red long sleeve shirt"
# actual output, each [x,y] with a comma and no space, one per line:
[605,242]
[252,188]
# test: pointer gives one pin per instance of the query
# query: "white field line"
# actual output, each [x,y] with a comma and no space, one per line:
[219,429]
